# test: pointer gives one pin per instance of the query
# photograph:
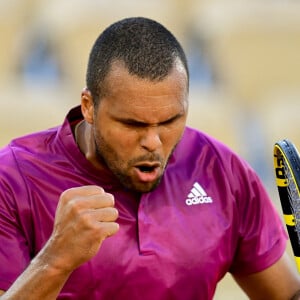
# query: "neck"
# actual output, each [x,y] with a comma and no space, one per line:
[83,133]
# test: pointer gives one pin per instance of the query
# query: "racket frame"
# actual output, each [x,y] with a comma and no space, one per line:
[287,174]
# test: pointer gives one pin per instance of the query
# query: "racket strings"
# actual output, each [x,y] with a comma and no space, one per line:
[294,198]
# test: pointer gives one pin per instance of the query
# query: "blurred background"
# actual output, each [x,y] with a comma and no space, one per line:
[244,58]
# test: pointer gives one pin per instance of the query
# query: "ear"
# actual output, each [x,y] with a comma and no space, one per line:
[87,105]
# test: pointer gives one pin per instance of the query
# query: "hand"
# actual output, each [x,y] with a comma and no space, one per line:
[85,216]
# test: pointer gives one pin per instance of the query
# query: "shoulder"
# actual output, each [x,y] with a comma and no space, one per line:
[198,146]
[47,141]
[200,157]
[19,148]
[33,144]
[202,141]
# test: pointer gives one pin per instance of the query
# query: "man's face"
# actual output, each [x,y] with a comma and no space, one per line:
[138,124]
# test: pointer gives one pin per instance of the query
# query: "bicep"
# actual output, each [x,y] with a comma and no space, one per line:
[279,281]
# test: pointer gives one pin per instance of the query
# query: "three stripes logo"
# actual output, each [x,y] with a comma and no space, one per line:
[197,195]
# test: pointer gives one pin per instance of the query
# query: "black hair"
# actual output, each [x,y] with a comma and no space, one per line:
[147,48]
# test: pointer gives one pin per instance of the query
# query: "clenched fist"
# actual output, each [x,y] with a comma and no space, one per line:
[85,216]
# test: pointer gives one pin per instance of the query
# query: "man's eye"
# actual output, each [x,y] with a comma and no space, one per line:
[168,122]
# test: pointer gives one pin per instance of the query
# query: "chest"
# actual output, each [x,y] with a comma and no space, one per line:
[177,239]
[163,247]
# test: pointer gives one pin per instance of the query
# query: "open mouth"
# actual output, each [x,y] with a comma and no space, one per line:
[147,172]
[146,169]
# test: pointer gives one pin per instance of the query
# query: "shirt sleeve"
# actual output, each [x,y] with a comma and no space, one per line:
[262,235]
[14,246]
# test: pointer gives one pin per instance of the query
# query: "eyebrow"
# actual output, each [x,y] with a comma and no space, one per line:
[142,124]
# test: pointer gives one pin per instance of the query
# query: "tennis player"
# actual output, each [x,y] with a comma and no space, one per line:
[124,201]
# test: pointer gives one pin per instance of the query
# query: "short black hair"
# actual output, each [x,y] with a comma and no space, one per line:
[147,48]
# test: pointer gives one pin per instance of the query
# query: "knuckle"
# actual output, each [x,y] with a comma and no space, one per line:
[109,214]
[114,228]
[85,219]
[74,206]
[97,189]
[65,195]
[108,229]
[115,213]
[111,199]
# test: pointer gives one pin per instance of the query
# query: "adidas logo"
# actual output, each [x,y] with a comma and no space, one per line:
[197,195]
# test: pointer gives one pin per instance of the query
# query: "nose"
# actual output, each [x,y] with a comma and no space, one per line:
[150,139]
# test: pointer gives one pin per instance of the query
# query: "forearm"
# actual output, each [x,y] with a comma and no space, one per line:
[38,281]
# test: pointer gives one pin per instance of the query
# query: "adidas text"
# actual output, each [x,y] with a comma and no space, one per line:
[198,200]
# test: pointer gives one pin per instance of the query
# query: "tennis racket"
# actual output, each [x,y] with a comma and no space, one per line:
[287,172]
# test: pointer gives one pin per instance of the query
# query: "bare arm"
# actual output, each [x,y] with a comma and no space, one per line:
[278,282]
[84,218]
[38,281]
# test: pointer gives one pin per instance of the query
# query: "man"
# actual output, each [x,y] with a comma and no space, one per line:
[123,201]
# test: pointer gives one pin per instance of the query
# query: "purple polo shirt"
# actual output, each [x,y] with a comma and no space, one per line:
[210,215]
